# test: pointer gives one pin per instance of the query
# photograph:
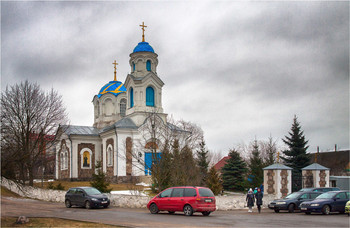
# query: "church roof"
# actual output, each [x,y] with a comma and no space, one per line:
[123,123]
[81,130]
[277,166]
[315,166]
[113,87]
[143,46]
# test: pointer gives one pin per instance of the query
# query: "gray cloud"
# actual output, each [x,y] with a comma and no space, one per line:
[240,70]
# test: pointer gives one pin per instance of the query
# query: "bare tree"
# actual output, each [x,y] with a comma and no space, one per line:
[29,122]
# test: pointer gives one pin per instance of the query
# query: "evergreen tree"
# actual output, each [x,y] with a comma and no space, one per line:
[271,151]
[214,181]
[234,172]
[190,174]
[296,156]
[177,171]
[99,180]
[202,162]
[256,166]
[164,177]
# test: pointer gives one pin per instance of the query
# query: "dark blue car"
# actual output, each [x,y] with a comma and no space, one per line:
[325,203]
[86,197]
[292,201]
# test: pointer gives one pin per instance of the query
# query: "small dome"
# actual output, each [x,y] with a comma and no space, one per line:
[143,46]
[113,87]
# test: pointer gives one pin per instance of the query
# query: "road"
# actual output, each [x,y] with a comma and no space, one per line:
[14,207]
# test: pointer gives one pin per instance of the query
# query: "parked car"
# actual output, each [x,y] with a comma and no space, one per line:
[347,208]
[187,199]
[87,197]
[321,189]
[333,201]
[292,201]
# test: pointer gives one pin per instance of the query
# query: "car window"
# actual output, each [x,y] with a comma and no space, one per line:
[178,192]
[92,191]
[348,195]
[205,192]
[79,192]
[190,192]
[327,195]
[341,195]
[293,195]
[304,196]
[318,190]
[314,195]
[166,193]
[326,190]
[71,191]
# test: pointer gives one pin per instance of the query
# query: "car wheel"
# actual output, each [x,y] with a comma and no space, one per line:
[68,204]
[308,213]
[153,208]
[326,210]
[188,211]
[171,212]
[291,208]
[87,205]
[206,213]
[277,210]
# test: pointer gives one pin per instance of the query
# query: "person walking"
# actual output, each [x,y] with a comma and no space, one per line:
[250,200]
[258,196]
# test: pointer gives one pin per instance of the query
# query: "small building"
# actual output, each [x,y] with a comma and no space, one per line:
[277,180]
[342,182]
[315,175]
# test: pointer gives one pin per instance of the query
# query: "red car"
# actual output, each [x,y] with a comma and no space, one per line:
[187,199]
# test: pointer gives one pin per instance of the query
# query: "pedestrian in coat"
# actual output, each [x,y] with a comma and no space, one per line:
[250,200]
[258,196]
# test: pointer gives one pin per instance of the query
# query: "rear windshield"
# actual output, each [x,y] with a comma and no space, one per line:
[205,192]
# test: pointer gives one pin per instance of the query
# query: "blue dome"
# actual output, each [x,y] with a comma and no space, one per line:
[113,87]
[143,46]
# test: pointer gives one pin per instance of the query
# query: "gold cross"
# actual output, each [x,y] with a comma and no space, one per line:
[115,70]
[278,157]
[143,31]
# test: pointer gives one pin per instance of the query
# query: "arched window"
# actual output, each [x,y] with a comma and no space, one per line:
[131,96]
[150,96]
[133,67]
[64,158]
[122,107]
[85,156]
[109,155]
[148,65]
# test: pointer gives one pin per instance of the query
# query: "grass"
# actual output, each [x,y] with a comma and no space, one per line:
[49,222]
[71,184]
[8,193]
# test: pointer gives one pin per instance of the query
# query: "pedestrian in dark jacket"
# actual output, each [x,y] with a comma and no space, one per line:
[258,197]
[250,200]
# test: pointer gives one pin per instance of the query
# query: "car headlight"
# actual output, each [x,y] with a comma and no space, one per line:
[314,205]
[94,199]
[281,203]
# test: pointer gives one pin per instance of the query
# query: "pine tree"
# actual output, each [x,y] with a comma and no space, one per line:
[177,172]
[164,177]
[202,162]
[296,156]
[271,152]
[214,181]
[234,171]
[190,174]
[99,180]
[256,166]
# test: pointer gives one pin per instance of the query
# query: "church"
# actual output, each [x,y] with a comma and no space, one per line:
[129,126]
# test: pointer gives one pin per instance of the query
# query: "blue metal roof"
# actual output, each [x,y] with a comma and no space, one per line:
[277,166]
[113,87]
[143,46]
[315,166]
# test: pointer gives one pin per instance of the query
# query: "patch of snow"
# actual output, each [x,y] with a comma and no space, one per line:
[128,192]
[143,184]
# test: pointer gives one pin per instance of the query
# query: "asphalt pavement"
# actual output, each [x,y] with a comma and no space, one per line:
[14,207]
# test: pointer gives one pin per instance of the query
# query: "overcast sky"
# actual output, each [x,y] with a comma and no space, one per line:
[239,70]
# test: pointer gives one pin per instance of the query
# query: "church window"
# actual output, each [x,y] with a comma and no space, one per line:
[85,156]
[109,155]
[148,65]
[150,96]
[64,158]
[131,94]
[133,67]
[108,107]
[122,107]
